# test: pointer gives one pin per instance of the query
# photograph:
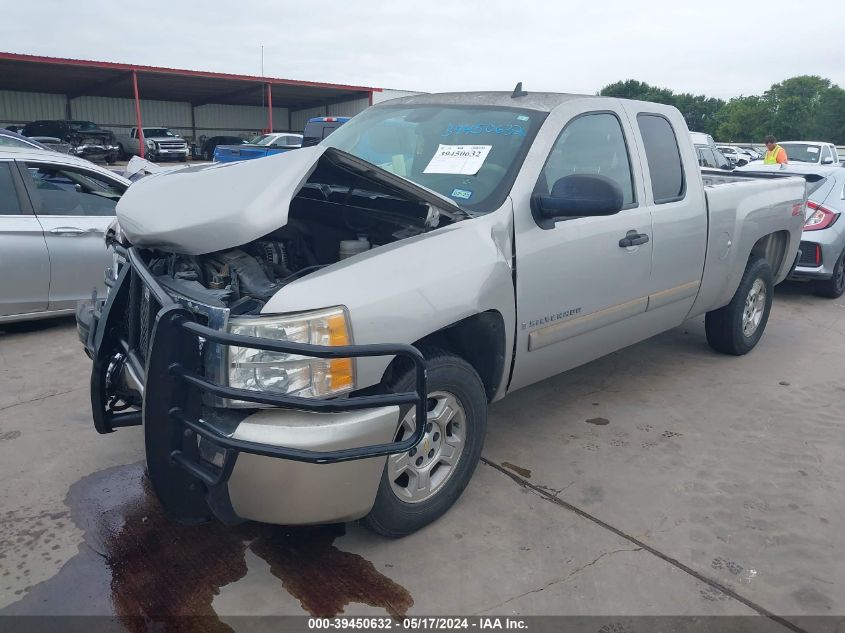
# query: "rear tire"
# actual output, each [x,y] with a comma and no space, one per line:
[457,423]
[834,287]
[736,328]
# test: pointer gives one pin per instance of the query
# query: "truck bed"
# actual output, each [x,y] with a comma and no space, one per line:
[743,208]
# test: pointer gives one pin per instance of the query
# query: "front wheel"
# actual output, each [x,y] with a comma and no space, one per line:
[737,327]
[834,287]
[418,486]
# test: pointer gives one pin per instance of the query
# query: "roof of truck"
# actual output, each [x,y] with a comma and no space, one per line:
[542,101]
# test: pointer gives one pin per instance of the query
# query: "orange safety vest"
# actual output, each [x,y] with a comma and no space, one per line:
[771,157]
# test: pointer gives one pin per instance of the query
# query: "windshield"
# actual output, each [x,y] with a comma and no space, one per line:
[801,152]
[266,139]
[150,132]
[82,125]
[468,154]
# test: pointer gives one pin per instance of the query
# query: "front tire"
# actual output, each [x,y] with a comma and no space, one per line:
[834,287]
[420,485]
[736,328]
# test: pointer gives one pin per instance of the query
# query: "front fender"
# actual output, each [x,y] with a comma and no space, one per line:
[402,292]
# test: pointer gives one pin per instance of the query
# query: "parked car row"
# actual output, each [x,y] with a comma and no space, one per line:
[316,129]
[87,140]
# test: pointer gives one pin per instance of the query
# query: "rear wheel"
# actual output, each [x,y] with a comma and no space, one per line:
[835,286]
[418,486]
[737,327]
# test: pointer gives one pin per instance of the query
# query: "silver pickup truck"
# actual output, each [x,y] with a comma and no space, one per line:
[315,337]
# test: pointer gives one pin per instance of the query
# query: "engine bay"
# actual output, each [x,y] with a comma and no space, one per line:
[336,214]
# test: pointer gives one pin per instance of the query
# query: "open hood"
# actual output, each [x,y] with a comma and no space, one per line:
[209,208]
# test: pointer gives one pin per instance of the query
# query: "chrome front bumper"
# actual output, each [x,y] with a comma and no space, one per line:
[289,492]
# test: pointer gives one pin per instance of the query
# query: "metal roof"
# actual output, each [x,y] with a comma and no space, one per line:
[78,77]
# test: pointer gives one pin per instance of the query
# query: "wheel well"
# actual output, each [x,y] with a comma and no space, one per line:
[478,339]
[772,248]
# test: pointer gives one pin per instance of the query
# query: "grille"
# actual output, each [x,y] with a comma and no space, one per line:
[171,145]
[811,254]
[143,308]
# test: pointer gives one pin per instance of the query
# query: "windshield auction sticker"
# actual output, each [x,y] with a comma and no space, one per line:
[465,160]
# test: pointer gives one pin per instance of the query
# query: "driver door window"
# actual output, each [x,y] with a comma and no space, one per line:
[591,144]
[63,191]
[826,155]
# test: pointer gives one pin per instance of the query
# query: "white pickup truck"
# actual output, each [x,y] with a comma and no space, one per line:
[159,144]
[315,336]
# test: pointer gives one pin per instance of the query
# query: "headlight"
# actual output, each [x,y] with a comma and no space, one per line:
[150,144]
[292,374]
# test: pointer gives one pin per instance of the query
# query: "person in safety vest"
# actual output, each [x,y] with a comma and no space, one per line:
[775,154]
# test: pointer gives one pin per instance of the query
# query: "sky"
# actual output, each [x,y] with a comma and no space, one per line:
[720,49]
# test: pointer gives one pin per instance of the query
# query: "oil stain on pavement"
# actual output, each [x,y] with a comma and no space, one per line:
[141,567]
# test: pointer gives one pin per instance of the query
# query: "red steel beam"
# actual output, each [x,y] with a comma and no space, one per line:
[138,125]
[40,59]
[269,109]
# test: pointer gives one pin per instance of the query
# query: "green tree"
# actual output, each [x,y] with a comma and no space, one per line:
[633,89]
[829,124]
[794,104]
[744,119]
[806,107]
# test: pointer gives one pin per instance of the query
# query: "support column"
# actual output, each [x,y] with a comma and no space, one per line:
[194,128]
[269,108]
[138,124]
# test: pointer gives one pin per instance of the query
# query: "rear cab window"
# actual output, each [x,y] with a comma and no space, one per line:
[668,183]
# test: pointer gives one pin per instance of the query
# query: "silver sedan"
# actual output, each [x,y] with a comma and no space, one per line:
[822,252]
[54,210]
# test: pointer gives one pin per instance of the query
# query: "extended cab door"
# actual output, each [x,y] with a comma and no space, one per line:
[24,262]
[579,288]
[675,194]
[75,207]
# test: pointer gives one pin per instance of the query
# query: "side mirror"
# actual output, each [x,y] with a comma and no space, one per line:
[575,196]
[827,160]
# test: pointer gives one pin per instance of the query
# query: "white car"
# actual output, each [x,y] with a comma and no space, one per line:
[812,152]
[54,211]
[737,156]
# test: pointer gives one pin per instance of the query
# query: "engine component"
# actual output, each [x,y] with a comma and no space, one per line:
[251,277]
[348,248]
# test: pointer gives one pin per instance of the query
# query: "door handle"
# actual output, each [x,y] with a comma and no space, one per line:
[632,238]
[68,231]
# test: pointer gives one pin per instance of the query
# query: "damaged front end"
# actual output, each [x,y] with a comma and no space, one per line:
[181,347]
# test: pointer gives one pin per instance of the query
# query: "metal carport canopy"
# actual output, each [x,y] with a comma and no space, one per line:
[77,77]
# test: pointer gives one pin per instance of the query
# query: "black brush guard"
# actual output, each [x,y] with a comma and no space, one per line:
[172,405]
